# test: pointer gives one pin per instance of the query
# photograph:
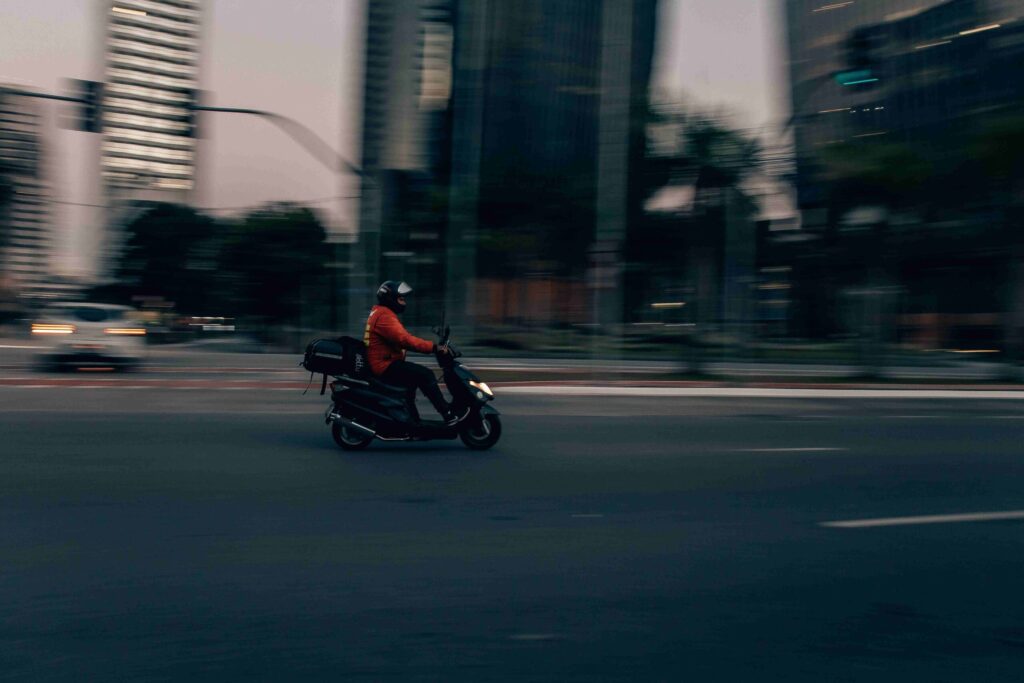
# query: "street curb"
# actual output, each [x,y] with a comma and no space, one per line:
[677,389]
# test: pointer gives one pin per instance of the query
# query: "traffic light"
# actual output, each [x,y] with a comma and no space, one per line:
[856,77]
[192,113]
[862,69]
[90,107]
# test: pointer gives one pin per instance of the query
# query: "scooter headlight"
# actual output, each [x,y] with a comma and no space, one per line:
[482,386]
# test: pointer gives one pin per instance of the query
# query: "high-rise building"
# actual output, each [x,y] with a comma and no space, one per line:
[497,127]
[406,93]
[25,222]
[895,70]
[151,76]
[919,81]
[548,122]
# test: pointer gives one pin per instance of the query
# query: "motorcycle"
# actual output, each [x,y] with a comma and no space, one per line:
[364,409]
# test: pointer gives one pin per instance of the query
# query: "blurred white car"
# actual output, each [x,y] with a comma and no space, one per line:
[89,335]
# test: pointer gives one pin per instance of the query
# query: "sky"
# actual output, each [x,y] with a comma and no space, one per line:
[303,59]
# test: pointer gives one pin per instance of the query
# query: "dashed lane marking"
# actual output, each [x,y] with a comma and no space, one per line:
[806,449]
[926,519]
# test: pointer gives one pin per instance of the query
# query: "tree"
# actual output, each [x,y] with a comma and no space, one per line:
[999,146]
[170,252]
[272,259]
[696,149]
[889,175]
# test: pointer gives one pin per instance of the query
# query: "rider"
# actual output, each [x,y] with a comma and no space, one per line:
[386,341]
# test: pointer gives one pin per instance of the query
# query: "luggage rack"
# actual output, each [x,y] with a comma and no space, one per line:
[371,383]
[351,380]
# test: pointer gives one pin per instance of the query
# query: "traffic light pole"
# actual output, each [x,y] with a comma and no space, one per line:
[299,133]
[327,156]
[40,95]
[306,138]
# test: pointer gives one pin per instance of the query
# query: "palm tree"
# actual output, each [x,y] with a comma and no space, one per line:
[701,151]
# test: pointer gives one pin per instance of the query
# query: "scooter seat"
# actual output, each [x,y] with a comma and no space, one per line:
[377,385]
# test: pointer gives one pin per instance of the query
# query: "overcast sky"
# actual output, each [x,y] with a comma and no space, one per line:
[302,58]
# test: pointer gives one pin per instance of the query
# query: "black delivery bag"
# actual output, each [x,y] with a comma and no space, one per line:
[341,356]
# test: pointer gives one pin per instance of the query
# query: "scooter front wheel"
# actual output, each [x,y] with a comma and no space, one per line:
[481,434]
[348,438]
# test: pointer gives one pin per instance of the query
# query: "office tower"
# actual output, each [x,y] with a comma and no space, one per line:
[907,86]
[501,134]
[25,220]
[406,94]
[895,70]
[548,123]
[151,78]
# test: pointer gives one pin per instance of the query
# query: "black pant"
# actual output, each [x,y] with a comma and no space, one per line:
[405,374]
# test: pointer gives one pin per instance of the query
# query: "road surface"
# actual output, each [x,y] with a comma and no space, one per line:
[220,535]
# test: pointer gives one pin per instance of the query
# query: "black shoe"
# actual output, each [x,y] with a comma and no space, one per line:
[455,417]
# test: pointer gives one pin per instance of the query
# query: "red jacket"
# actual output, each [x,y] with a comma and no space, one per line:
[386,340]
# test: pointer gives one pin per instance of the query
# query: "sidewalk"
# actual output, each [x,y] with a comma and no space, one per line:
[16,356]
[512,368]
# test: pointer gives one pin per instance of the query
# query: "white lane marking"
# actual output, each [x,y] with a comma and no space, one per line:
[586,515]
[925,519]
[808,449]
[912,417]
[740,392]
[17,346]
[534,636]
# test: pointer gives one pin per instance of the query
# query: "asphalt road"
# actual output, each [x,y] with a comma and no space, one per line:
[220,535]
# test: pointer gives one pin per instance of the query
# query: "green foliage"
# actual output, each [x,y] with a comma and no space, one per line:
[260,266]
[999,145]
[720,157]
[981,164]
[693,146]
[271,259]
[170,252]
[886,174]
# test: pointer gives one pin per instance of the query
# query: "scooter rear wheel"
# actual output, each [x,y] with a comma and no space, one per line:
[481,434]
[348,438]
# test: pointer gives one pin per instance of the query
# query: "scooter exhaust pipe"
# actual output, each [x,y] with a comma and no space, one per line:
[354,425]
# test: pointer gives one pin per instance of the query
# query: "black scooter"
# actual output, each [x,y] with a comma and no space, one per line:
[362,410]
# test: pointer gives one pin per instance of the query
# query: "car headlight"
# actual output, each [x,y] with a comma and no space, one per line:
[482,386]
